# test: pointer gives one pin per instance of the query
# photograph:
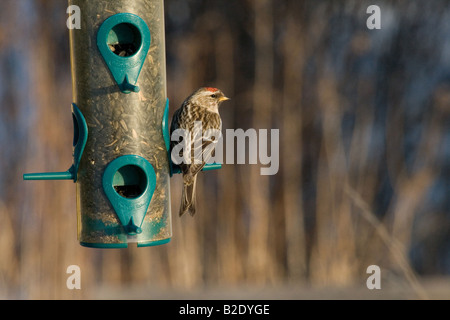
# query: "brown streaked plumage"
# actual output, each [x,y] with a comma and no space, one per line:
[202,105]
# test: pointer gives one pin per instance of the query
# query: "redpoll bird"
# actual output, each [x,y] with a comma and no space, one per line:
[201,107]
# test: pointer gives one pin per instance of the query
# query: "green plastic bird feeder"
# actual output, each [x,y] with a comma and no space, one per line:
[121,162]
[121,165]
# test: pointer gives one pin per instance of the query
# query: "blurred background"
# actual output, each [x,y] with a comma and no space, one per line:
[364,155]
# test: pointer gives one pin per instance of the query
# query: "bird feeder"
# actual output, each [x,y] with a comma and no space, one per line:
[120,159]
[121,163]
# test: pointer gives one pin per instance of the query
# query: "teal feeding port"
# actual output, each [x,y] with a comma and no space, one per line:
[129,183]
[124,40]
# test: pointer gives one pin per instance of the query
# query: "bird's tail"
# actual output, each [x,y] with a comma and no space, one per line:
[188,199]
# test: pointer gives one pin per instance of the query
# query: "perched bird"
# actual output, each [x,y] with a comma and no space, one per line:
[202,106]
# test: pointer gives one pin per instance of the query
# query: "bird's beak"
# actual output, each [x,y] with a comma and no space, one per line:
[224,99]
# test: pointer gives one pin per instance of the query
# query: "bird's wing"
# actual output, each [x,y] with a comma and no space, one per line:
[202,148]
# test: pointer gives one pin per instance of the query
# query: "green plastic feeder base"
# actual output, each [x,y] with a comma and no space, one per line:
[153,243]
[104,245]
[124,245]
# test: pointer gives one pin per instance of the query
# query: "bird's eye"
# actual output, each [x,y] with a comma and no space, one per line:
[213,96]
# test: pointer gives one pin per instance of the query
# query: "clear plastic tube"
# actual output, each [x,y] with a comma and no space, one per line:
[119,124]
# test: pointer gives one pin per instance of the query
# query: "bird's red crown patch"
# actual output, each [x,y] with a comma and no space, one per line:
[212,89]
